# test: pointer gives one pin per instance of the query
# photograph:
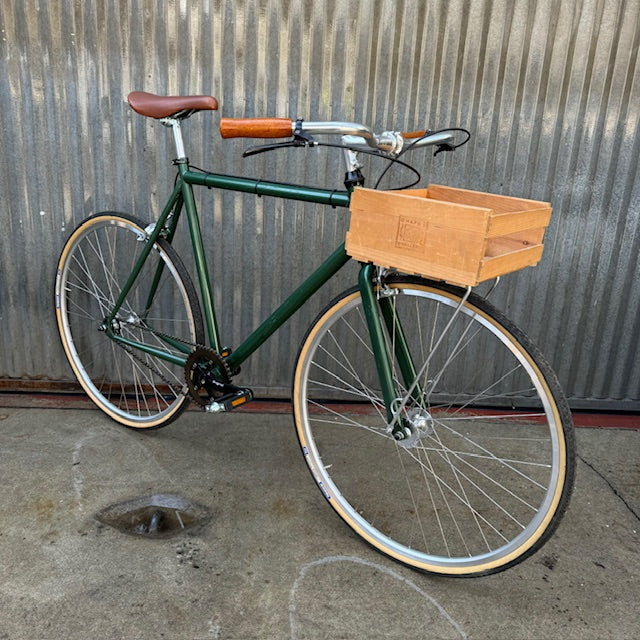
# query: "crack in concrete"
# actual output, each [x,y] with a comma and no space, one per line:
[612,487]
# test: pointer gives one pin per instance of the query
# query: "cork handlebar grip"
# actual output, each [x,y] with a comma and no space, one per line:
[256,127]
[410,135]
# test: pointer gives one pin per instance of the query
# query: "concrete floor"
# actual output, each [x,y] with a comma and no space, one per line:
[274,561]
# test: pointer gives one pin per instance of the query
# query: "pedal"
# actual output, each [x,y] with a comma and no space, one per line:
[230,401]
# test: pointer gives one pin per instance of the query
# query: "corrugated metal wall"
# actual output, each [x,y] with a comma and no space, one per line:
[549,89]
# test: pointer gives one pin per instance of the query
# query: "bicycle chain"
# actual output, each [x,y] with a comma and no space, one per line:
[182,391]
[153,369]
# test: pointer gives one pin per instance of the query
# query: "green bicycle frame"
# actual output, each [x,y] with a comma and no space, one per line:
[182,199]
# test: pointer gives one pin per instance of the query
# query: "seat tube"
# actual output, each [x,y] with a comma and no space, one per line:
[376,333]
[196,234]
[200,259]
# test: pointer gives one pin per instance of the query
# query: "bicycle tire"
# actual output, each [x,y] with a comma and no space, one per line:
[487,471]
[134,388]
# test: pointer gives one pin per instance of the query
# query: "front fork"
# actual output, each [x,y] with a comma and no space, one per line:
[381,316]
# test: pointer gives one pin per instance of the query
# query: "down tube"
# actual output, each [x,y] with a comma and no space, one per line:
[319,277]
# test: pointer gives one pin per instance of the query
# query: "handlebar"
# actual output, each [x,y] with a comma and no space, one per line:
[354,135]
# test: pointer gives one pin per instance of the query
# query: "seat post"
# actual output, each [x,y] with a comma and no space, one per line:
[174,123]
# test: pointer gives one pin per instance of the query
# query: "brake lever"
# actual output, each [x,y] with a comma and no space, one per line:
[443,147]
[262,148]
[300,139]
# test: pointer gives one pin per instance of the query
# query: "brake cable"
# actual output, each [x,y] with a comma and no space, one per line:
[295,143]
[440,148]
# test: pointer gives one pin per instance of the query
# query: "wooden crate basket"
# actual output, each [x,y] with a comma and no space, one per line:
[456,235]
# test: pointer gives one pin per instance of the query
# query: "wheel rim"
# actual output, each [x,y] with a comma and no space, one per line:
[132,387]
[438,498]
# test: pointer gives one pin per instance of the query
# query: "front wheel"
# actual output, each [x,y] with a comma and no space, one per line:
[485,468]
[138,389]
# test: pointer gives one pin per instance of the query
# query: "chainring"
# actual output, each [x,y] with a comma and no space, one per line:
[207,375]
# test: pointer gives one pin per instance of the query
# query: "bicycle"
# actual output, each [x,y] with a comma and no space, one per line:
[430,423]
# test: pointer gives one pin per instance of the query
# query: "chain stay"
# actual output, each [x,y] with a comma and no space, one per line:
[177,391]
[230,396]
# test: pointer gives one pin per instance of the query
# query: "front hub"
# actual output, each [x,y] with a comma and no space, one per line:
[411,428]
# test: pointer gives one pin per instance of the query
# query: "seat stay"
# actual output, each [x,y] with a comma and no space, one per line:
[149,237]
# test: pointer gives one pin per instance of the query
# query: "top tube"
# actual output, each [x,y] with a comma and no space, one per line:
[332,197]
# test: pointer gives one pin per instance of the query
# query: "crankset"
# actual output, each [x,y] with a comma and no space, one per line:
[208,380]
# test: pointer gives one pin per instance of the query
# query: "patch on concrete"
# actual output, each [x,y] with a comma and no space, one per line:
[155,516]
[188,553]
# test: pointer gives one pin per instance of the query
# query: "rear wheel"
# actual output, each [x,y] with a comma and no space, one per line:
[486,468]
[135,388]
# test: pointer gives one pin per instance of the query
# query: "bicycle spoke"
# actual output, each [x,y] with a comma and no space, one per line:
[133,386]
[467,485]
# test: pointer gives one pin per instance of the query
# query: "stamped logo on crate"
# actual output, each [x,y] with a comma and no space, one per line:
[411,233]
